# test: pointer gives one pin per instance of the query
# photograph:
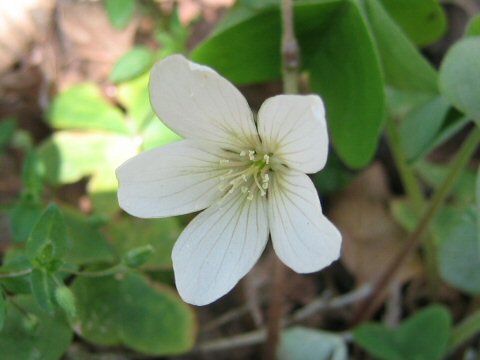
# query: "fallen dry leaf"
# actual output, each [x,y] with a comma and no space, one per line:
[21,23]
[371,237]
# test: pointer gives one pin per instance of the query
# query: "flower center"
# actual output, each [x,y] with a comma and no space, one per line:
[247,172]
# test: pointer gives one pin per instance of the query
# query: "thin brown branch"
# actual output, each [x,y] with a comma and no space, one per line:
[369,306]
[275,311]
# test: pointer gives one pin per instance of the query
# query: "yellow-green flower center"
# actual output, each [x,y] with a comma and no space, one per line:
[247,172]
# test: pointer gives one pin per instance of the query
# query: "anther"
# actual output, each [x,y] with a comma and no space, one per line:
[266,158]
[243,153]
[265,185]
[250,197]
[266,178]
[251,155]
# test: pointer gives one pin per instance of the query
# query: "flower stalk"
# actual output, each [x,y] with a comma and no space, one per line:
[290,67]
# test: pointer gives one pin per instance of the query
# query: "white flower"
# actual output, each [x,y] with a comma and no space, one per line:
[250,177]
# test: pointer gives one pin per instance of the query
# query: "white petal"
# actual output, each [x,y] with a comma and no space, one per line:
[293,128]
[219,247]
[197,103]
[170,180]
[303,238]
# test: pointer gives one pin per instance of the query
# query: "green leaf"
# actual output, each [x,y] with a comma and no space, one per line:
[156,133]
[14,260]
[460,76]
[69,156]
[89,245]
[133,95]
[299,343]
[459,251]
[424,336]
[43,290]
[423,21]
[473,27]
[419,128]
[434,175]
[23,218]
[66,300]
[128,233]
[32,173]
[404,67]
[7,130]
[128,310]
[48,240]
[352,90]
[32,334]
[3,308]
[133,64]
[120,12]
[83,107]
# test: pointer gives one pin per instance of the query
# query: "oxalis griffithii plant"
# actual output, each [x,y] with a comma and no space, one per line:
[248,172]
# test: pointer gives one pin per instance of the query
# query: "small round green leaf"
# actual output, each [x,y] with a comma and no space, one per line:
[133,64]
[459,252]
[83,107]
[460,76]
[34,334]
[129,310]
[301,343]
[120,12]
[424,336]
[473,27]
[423,21]
[129,233]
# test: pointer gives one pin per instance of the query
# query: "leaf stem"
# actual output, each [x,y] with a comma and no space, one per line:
[415,197]
[14,274]
[370,305]
[464,331]
[412,187]
[119,268]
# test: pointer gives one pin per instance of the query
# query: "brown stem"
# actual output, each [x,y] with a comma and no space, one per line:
[370,305]
[290,50]
[275,311]
[290,64]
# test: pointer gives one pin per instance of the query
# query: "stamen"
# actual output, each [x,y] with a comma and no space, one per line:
[249,176]
[266,158]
